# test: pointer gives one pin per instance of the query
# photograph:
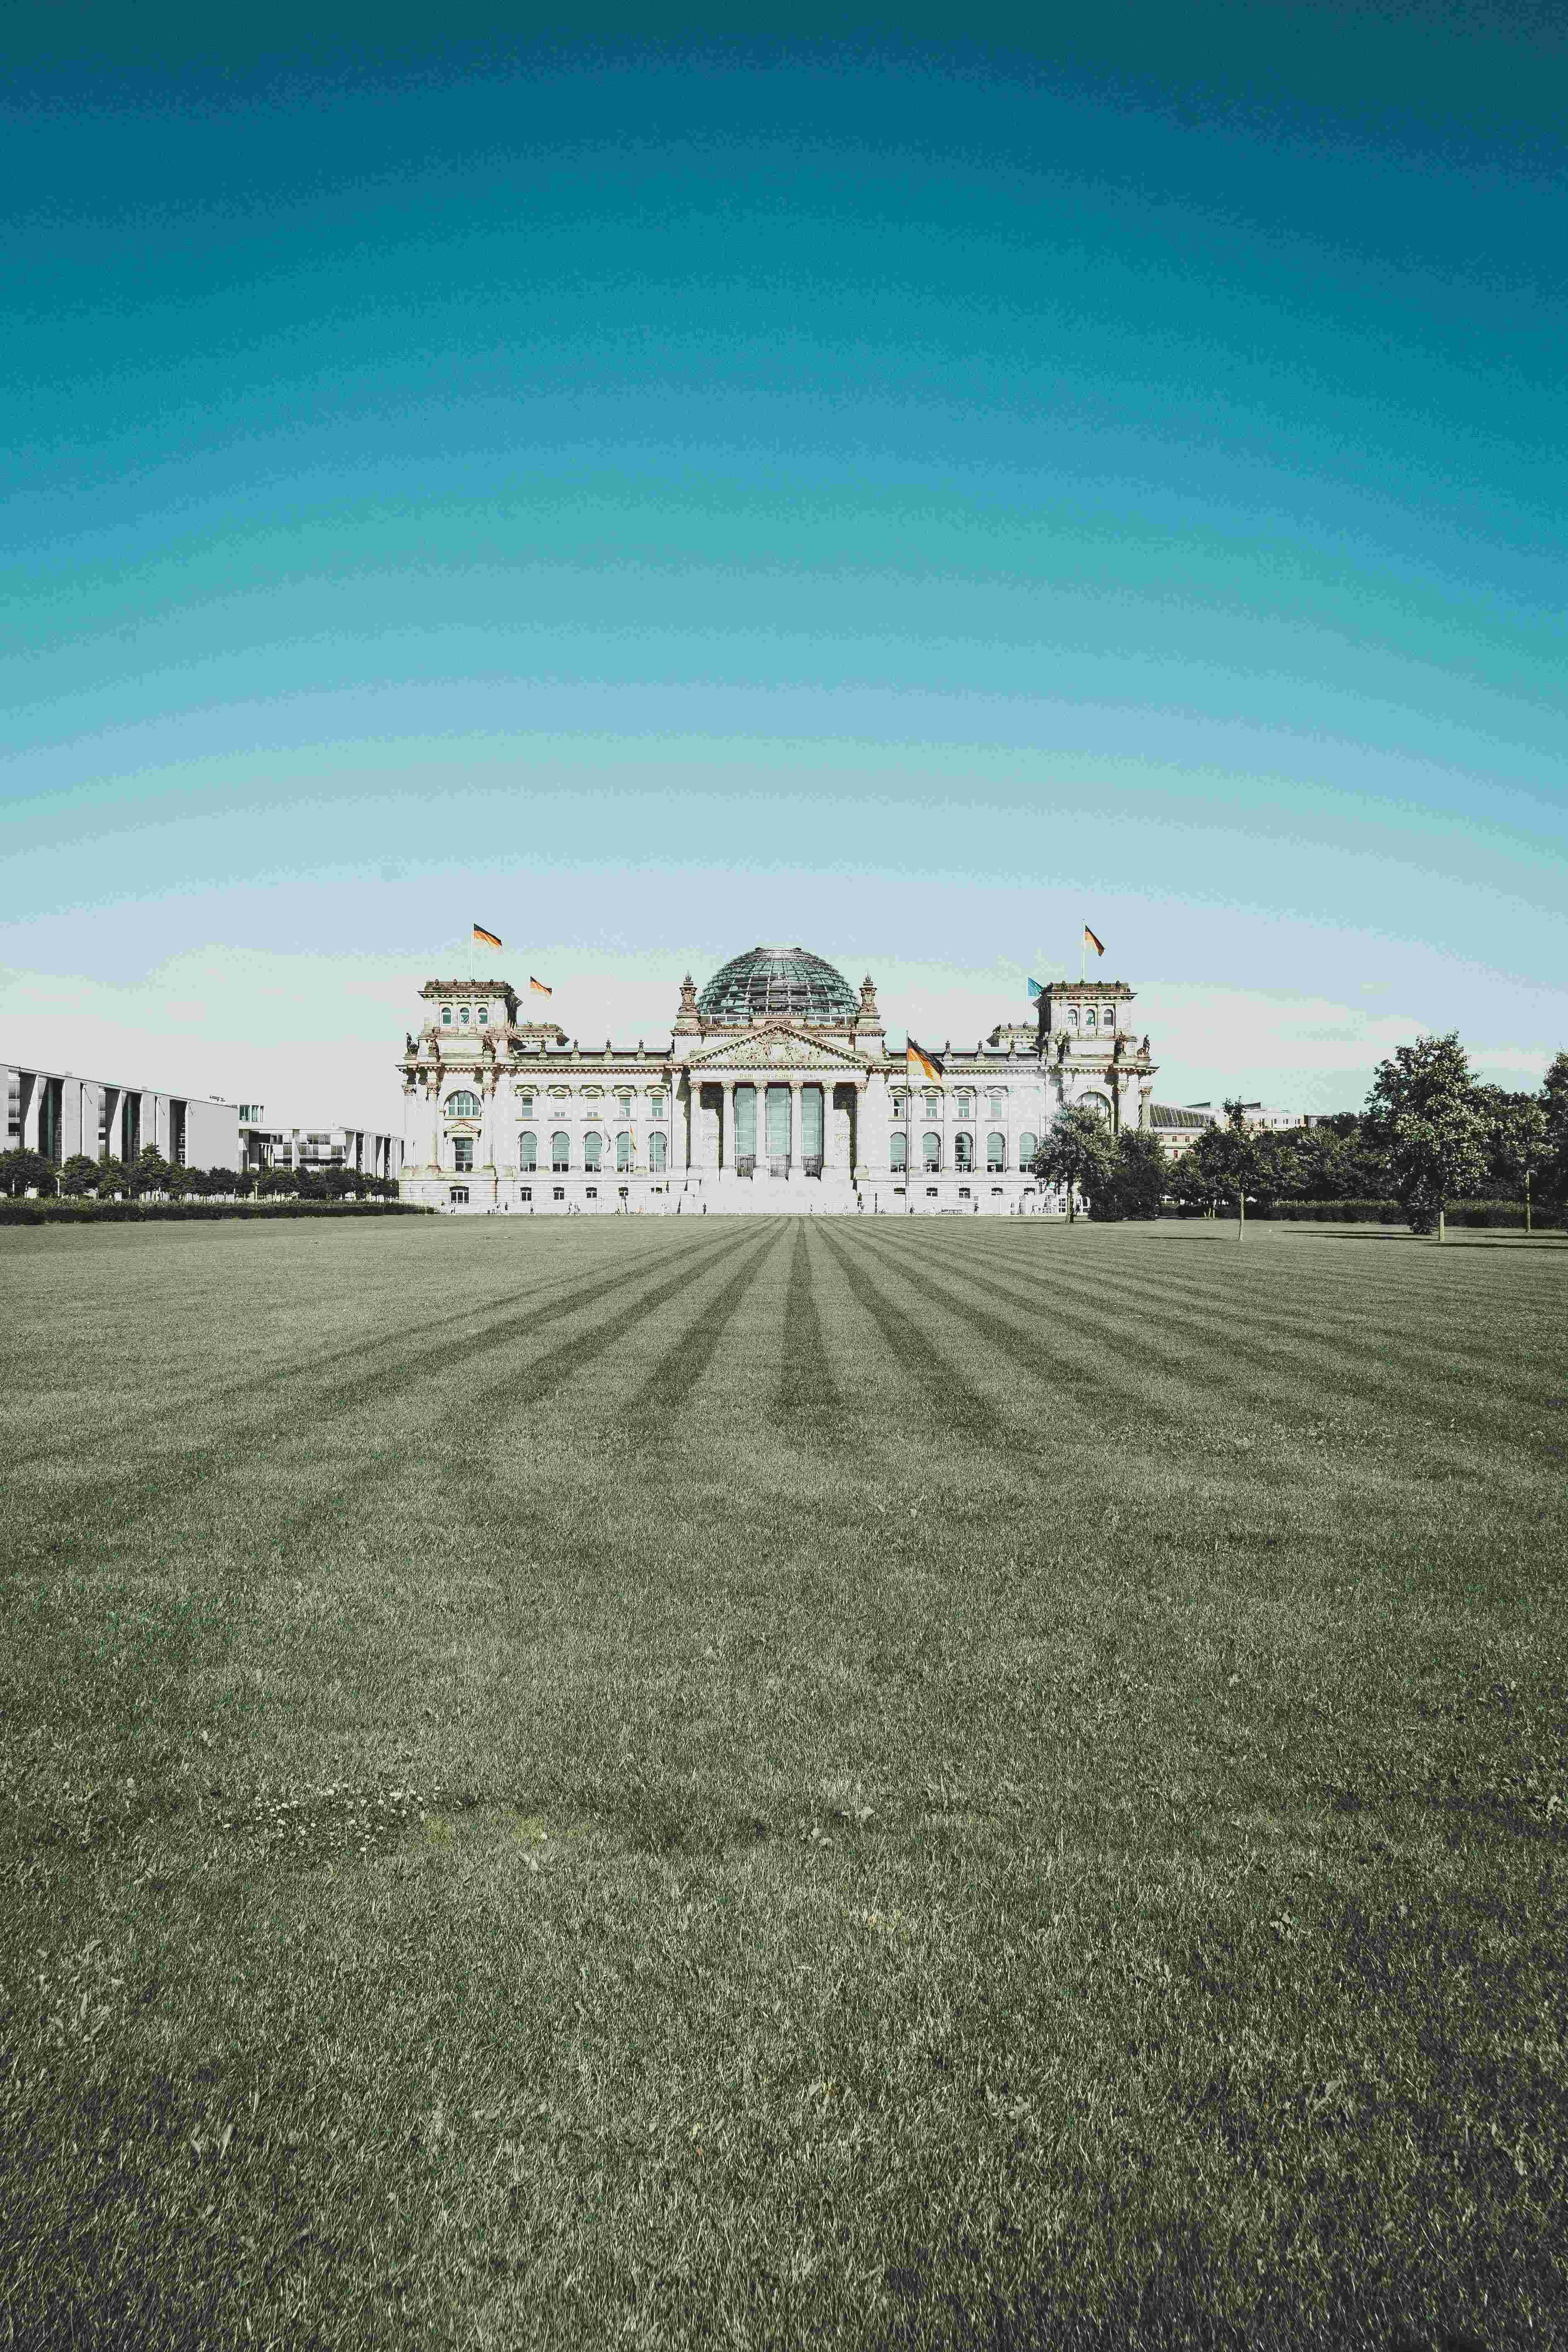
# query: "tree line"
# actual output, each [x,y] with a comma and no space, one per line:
[150,1177]
[1430,1134]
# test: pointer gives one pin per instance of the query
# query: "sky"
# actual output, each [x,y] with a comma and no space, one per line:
[906,495]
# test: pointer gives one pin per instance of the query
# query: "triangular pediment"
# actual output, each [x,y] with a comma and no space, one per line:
[778,1048]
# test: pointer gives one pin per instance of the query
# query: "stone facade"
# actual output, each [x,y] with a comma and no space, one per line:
[776,1091]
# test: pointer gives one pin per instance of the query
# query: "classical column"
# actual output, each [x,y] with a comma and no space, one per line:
[488,1130]
[796,1126]
[727,1126]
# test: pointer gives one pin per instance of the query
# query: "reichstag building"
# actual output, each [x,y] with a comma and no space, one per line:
[775,1091]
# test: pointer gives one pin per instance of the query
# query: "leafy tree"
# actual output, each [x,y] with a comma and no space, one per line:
[337,1183]
[1554,1104]
[1077,1151]
[149,1172]
[1423,1102]
[1230,1161]
[78,1175]
[274,1181]
[26,1171]
[1137,1178]
[1518,1140]
[109,1177]
[220,1182]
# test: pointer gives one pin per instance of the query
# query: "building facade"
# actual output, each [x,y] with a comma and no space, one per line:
[776,1091]
[362,1150]
[58,1115]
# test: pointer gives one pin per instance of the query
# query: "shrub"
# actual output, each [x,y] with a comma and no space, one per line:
[190,1213]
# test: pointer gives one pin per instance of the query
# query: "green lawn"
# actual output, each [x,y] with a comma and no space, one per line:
[878,1783]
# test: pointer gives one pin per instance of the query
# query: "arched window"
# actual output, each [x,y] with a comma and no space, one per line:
[996,1151]
[998,1102]
[593,1151]
[656,1154]
[899,1153]
[963,1104]
[560,1149]
[462,1106]
[930,1152]
[462,1011]
[484,1013]
[1072,1016]
[1027,1146]
[964,1152]
[445,1016]
[623,1149]
[528,1153]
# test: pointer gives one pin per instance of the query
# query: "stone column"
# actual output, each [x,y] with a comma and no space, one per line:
[727,1126]
[796,1130]
[433,1123]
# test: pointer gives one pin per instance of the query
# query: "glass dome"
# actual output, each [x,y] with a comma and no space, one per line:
[778,980]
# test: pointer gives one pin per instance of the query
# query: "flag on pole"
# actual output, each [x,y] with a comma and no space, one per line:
[1035,989]
[537,987]
[920,1066]
[483,938]
[1090,942]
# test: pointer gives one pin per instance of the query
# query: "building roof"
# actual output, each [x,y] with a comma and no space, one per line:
[1177,1115]
[778,980]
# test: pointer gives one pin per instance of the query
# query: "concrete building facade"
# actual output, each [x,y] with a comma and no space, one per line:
[59,1114]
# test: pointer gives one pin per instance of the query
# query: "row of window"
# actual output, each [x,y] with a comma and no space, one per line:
[560,1152]
[962,1101]
[465,1104]
[962,1152]
[458,1016]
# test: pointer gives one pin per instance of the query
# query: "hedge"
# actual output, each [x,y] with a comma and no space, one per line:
[1508,1215]
[192,1213]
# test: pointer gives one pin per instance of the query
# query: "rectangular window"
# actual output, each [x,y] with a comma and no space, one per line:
[964,1192]
[558,1192]
[526,1193]
[463,1152]
[591,1191]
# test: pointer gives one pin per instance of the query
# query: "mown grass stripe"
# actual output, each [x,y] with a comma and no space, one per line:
[967,1413]
[678,1369]
[1269,1369]
[180,1470]
[360,1351]
[806,1385]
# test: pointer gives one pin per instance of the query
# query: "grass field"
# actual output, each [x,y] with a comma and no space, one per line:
[875,1783]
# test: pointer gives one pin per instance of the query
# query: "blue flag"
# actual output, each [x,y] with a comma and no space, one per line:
[1035,989]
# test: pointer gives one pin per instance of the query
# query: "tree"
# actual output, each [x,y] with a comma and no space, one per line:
[78,1175]
[1077,1151]
[109,1177]
[26,1171]
[149,1172]
[1518,1140]
[1136,1180]
[1554,1104]
[1230,1162]
[1424,1107]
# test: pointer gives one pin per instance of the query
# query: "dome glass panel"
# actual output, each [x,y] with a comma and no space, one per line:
[778,981]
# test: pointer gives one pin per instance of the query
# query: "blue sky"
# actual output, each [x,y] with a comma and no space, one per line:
[912,498]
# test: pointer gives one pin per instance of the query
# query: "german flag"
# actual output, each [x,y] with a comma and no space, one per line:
[920,1066]
[1090,942]
[537,987]
[483,938]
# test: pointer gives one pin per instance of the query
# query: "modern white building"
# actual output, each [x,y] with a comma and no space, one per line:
[59,1114]
[363,1150]
[776,1090]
